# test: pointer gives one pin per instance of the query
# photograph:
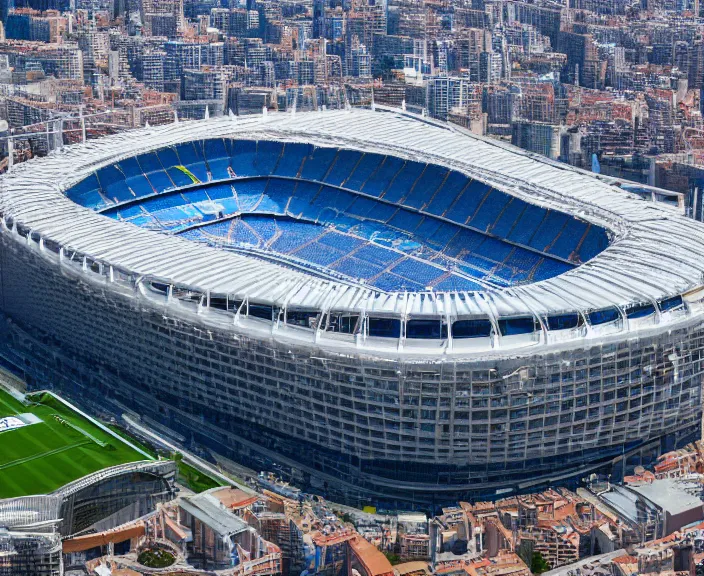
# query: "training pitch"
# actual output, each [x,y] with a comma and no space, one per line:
[62,446]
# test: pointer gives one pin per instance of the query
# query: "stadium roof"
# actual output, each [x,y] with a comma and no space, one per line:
[655,251]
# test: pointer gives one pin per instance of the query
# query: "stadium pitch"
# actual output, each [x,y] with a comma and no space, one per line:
[61,447]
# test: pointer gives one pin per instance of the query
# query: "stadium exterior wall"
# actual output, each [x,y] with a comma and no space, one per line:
[388,430]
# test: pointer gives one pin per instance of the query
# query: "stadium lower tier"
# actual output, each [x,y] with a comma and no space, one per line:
[358,427]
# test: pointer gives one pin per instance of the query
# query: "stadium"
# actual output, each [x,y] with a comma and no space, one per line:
[386,309]
[65,474]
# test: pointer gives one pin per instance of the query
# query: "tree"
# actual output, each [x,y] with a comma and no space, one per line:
[538,565]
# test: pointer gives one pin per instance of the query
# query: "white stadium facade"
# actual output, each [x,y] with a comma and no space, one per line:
[385,308]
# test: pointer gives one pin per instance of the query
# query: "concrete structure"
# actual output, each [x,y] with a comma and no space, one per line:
[568,343]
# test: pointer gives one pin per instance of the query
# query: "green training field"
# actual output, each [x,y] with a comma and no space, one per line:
[39,458]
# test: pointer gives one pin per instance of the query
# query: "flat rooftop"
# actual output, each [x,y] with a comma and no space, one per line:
[672,495]
[45,444]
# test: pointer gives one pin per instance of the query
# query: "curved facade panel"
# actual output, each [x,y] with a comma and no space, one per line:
[389,308]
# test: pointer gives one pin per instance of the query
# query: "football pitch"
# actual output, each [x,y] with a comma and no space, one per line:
[39,458]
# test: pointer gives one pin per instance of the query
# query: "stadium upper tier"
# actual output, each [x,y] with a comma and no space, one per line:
[371,224]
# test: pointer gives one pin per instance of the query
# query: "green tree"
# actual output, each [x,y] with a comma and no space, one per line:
[538,565]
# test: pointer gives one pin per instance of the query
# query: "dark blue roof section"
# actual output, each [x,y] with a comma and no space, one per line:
[406,224]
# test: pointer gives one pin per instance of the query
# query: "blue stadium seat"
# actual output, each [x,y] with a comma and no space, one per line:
[464,241]
[457,283]
[441,237]
[319,254]
[527,224]
[365,168]
[146,221]
[427,227]
[490,210]
[139,185]
[569,238]
[302,200]
[337,200]
[218,229]
[91,199]
[171,215]
[130,167]
[229,205]
[466,203]
[405,220]
[520,276]
[594,242]
[391,282]
[241,233]
[377,255]
[475,262]
[273,205]
[344,165]
[548,230]
[193,196]
[191,157]
[244,153]
[426,186]
[214,148]
[502,274]
[87,193]
[268,154]
[495,249]
[356,268]
[162,202]
[379,232]
[178,177]
[160,181]
[377,184]
[549,268]
[168,158]
[220,191]
[188,153]
[217,157]
[293,236]
[363,207]
[444,196]
[108,175]
[149,162]
[292,158]
[127,212]
[218,168]
[279,192]
[119,192]
[522,259]
[341,242]
[249,193]
[194,234]
[502,227]
[265,227]
[317,164]
[403,182]
[417,271]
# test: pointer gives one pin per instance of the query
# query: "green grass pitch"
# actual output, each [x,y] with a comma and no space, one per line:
[39,458]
